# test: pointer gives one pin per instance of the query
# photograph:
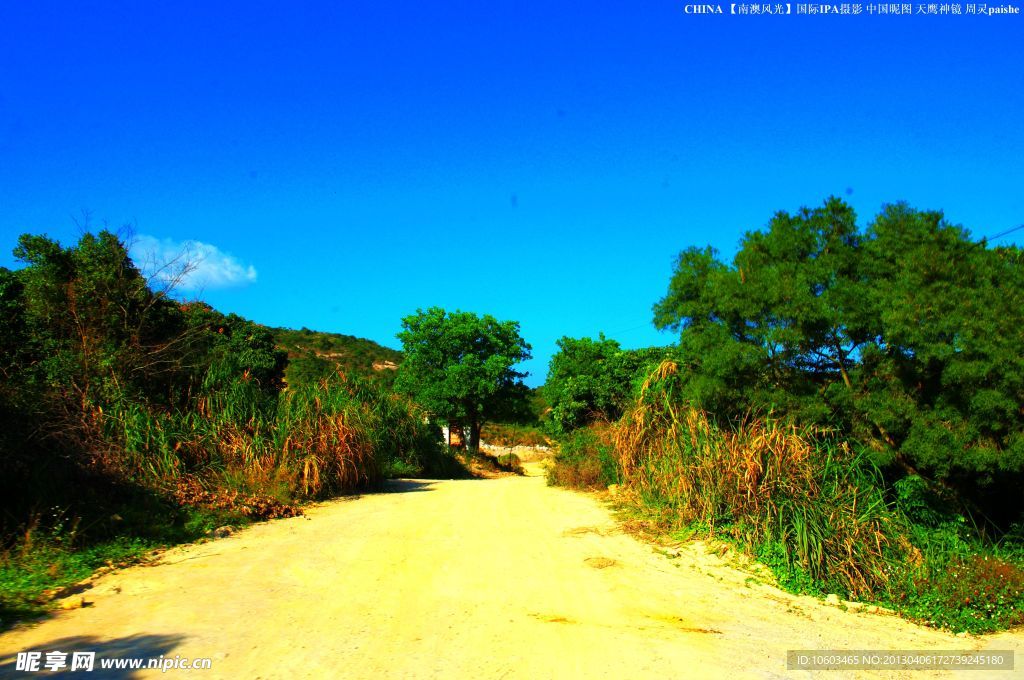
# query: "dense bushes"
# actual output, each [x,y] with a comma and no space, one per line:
[106,376]
[762,482]
[324,438]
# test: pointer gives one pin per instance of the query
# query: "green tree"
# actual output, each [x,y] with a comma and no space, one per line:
[80,331]
[96,330]
[905,335]
[460,366]
[943,382]
[13,339]
[94,334]
[591,380]
[783,320]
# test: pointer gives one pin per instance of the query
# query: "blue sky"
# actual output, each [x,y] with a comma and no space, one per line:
[341,164]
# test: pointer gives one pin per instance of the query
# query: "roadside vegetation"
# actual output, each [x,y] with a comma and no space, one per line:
[846,405]
[129,420]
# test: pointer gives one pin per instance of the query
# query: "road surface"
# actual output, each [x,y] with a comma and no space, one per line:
[496,578]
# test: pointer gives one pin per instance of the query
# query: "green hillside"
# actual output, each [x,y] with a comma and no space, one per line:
[314,354]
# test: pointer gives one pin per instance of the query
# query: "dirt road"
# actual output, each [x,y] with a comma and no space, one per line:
[502,578]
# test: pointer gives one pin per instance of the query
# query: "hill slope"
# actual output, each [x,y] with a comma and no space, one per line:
[316,354]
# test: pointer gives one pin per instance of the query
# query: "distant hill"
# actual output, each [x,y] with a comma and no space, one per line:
[315,354]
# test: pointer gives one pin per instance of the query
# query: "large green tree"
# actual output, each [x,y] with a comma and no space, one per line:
[906,334]
[461,366]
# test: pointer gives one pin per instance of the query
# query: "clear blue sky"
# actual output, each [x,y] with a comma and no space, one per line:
[344,163]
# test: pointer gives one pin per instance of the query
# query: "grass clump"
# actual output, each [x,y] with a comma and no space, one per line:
[328,437]
[795,494]
[324,438]
[28,573]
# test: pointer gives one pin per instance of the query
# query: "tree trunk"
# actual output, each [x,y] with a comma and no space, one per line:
[474,436]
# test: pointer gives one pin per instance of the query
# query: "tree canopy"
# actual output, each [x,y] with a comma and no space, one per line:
[590,380]
[460,366]
[83,331]
[906,335]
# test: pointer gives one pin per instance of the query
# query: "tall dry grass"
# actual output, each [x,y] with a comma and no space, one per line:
[326,437]
[330,437]
[762,483]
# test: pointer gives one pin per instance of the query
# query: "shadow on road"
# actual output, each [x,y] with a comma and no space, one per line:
[405,485]
[143,647]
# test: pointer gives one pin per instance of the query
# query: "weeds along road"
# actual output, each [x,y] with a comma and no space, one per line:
[502,578]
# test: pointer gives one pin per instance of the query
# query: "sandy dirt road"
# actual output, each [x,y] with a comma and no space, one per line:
[501,578]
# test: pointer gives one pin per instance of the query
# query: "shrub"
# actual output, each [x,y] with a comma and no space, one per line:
[509,462]
[979,593]
[591,380]
[904,334]
[585,460]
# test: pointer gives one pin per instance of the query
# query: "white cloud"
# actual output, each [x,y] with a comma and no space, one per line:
[189,265]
